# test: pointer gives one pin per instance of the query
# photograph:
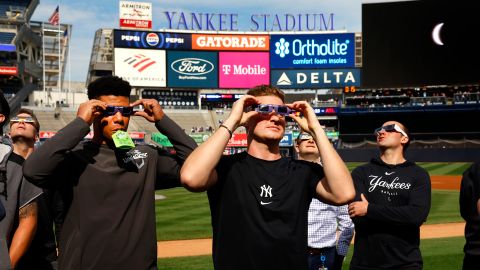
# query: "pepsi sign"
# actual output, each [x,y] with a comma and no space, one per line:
[151,40]
[312,51]
[192,69]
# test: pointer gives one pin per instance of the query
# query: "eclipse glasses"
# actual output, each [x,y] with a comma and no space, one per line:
[268,108]
[124,110]
[391,128]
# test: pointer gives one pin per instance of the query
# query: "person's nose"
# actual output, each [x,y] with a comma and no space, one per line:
[118,117]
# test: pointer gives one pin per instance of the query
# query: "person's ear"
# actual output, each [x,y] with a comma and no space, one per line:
[2,118]
[404,140]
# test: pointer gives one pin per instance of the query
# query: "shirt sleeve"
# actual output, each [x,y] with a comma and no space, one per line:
[28,193]
[346,228]
[415,212]
[168,165]
[52,155]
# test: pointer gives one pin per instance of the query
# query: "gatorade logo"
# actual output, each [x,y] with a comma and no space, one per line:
[152,39]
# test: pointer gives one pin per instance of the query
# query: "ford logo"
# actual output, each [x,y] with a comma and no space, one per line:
[192,66]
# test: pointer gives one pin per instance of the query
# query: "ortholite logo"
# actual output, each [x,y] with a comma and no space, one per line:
[282,47]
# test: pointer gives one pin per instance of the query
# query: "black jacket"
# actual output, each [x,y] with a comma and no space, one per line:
[469,196]
[399,196]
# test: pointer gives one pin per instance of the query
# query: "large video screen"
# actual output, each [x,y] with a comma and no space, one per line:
[420,43]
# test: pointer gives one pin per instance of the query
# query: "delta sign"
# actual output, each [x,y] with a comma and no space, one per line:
[312,51]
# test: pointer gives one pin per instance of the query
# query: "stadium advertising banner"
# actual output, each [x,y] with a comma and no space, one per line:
[192,69]
[313,51]
[287,140]
[151,40]
[315,78]
[141,67]
[230,42]
[7,70]
[135,15]
[243,69]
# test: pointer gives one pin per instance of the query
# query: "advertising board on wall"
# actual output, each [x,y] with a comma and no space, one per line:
[151,40]
[315,78]
[230,42]
[313,51]
[243,69]
[192,69]
[141,67]
[7,70]
[135,15]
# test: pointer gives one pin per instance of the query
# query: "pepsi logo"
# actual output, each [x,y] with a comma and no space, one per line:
[152,39]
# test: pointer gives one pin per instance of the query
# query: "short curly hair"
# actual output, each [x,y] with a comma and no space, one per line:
[109,85]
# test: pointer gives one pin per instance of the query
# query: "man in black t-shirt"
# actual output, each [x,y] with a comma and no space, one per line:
[392,201]
[258,199]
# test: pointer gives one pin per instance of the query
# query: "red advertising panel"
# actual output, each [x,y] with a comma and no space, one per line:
[8,70]
[243,69]
[230,42]
[238,140]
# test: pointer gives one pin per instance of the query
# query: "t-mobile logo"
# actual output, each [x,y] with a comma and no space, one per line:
[226,69]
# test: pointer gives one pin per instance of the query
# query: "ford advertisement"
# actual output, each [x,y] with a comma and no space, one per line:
[312,51]
[192,69]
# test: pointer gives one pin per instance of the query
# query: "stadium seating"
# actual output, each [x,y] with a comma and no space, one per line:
[6,38]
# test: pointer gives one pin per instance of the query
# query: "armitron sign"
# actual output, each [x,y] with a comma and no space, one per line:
[135,15]
[231,42]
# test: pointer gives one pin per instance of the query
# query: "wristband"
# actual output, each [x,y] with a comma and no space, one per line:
[229,131]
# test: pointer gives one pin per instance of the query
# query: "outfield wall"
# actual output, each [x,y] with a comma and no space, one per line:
[417,155]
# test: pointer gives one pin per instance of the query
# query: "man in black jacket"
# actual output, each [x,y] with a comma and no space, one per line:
[392,201]
[110,221]
[470,210]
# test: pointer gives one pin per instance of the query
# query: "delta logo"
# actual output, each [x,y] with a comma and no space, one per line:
[152,39]
[139,62]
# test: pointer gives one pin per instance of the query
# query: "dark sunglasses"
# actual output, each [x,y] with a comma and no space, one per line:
[391,128]
[124,110]
[268,108]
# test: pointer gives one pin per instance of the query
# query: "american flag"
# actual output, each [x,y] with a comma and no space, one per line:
[55,18]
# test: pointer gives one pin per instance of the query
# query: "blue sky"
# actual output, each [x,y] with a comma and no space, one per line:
[87,16]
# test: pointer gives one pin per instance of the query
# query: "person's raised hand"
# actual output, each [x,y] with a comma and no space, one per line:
[90,110]
[152,111]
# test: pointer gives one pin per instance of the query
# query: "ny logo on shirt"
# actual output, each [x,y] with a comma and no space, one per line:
[266,191]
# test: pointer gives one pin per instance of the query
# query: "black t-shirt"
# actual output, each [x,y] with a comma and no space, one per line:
[259,212]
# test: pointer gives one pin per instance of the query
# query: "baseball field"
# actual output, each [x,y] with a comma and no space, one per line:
[183,215]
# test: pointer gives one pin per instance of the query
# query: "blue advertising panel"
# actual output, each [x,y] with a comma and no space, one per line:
[312,51]
[151,40]
[192,69]
[286,140]
[314,78]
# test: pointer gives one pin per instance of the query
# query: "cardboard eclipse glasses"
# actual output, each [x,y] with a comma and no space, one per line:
[124,110]
[391,128]
[269,108]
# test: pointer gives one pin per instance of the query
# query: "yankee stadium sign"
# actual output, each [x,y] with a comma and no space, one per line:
[258,22]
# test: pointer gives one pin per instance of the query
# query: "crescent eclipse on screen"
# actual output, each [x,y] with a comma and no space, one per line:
[436,34]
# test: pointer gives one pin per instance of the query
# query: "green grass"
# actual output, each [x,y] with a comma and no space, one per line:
[438,254]
[445,207]
[445,168]
[182,215]
[186,263]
